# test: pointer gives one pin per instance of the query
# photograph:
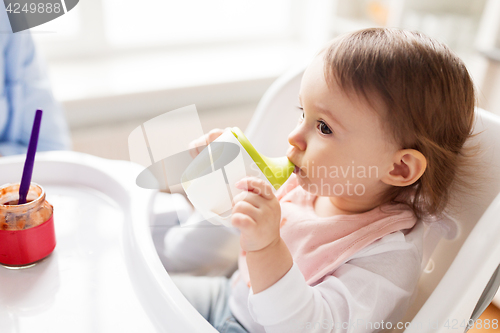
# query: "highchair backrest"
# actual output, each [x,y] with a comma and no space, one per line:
[461,252]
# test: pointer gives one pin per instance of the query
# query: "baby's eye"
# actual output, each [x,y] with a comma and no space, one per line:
[301,112]
[323,128]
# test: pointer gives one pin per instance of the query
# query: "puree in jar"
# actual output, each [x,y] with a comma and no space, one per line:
[19,217]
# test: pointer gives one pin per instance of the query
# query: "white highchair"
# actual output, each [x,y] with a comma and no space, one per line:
[461,254]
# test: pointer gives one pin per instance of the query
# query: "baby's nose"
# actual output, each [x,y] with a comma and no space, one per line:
[297,139]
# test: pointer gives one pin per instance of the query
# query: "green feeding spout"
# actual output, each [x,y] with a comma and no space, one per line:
[277,170]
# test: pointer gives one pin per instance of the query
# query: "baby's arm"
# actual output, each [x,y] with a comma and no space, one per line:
[256,213]
[357,297]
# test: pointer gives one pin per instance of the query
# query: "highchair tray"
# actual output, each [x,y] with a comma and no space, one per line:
[104,274]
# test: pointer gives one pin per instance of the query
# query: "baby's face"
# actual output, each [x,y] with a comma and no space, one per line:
[339,143]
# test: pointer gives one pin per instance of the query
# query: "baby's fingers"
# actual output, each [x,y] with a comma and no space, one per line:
[250,197]
[246,208]
[242,221]
[214,134]
[196,146]
[257,186]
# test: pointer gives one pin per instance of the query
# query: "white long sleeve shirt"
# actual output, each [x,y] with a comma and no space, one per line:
[370,292]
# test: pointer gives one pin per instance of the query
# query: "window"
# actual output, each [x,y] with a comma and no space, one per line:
[101,27]
[154,22]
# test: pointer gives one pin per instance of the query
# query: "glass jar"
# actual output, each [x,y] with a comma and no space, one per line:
[27,232]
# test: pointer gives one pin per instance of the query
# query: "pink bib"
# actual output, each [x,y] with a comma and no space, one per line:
[319,245]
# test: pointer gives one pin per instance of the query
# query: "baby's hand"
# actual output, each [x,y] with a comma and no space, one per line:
[256,213]
[196,146]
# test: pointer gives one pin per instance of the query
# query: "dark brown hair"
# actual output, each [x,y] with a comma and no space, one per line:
[429,100]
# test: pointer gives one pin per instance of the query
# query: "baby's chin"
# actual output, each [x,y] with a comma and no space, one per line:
[313,187]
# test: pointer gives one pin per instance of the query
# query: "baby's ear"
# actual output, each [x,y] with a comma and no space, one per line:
[408,167]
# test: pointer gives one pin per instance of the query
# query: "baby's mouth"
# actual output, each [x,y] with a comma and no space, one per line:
[299,172]
[296,170]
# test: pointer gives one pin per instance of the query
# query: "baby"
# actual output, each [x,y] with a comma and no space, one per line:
[339,249]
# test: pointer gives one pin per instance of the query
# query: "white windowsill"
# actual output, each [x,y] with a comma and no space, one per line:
[96,91]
